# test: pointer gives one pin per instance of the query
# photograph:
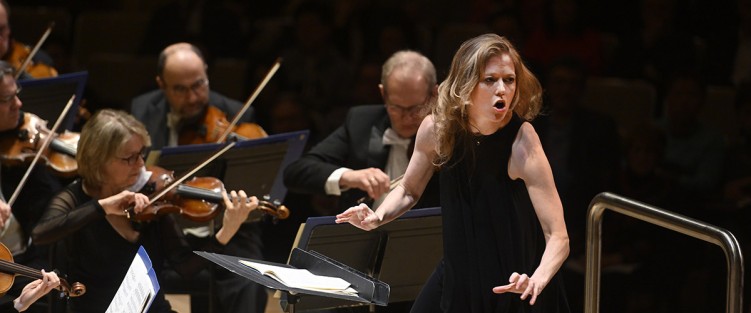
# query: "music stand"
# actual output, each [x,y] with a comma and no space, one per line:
[369,291]
[255,166]
[46,97]
[402,253]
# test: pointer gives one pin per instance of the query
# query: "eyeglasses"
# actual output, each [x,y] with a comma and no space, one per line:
[8,99]
[199,86]
[133,159]
[415,110]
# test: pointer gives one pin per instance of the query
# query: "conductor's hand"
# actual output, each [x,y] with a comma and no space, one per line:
[237,207]
[361,216]
[371,180]
[117,204]
[524,285]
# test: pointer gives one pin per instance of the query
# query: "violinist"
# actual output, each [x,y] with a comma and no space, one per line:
[15,52]
[17,222]
[372,147]
[89,216]
[182,101]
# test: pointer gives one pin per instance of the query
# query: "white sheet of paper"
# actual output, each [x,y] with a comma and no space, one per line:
[302,278]
[137,291]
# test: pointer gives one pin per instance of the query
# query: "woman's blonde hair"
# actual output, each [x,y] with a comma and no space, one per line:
[450,113]
[101,138]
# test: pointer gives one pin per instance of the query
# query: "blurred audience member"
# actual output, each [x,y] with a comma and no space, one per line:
[565,33]
[693,153]
[657,47]
[211,25]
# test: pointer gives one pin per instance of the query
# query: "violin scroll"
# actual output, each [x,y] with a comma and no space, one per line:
[71,291]
[273,208]
[9,269]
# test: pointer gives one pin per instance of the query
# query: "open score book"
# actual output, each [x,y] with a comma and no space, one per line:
[303,279]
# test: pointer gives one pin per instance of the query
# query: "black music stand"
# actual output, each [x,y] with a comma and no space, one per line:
[255,166]
[402,253]
[46,97]
[369,290]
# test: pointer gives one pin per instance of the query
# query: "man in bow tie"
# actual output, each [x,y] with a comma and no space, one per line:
[360,160]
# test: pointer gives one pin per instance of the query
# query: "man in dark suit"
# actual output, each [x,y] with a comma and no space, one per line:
[362,157]
[181,104]
[183,98]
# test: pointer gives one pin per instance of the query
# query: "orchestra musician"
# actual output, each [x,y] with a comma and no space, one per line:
[17,222]
[89,215]
[183,98]
[15,52]
[372,148]
[180,104]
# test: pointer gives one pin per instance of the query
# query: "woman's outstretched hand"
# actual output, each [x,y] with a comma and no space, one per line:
[361,216]
[522,284]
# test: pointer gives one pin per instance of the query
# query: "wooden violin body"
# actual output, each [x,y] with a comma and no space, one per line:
[198,199]
[192,199]
[213,125]
[21,147]
[9,270]
[19,53]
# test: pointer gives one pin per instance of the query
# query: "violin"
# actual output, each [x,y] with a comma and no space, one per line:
[9,270]
[21,148]
[216,128]
[198,199]
[21,58]
[213,125]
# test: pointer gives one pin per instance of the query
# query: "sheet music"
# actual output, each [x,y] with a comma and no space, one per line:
[137,291]
[303,279]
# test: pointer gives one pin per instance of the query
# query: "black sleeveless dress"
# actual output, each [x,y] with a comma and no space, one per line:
[490,230]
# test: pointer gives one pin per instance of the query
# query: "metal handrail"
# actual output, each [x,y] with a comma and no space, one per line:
[665,219]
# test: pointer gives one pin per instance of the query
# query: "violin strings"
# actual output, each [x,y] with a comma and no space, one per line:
[16,268]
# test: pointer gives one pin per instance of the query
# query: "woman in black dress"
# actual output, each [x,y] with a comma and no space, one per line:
[504,235]
[89,215]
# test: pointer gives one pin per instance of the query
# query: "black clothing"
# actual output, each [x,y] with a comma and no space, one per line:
[151,109]
[490,230]
[357,144]
[98,257]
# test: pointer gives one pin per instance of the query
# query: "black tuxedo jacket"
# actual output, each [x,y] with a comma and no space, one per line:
[358,144]
[151,109]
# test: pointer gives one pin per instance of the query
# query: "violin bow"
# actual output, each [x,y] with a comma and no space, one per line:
[179,181]
[252,98]
[35,50]
[395,182]
[44,146]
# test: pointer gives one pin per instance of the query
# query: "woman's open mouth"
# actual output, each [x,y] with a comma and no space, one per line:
[500,105]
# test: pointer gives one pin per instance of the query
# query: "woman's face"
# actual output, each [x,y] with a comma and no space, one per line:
[122,170]
[491,98]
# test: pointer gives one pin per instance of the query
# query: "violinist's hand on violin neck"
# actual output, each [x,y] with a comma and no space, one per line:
[237,207]
[121,203]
